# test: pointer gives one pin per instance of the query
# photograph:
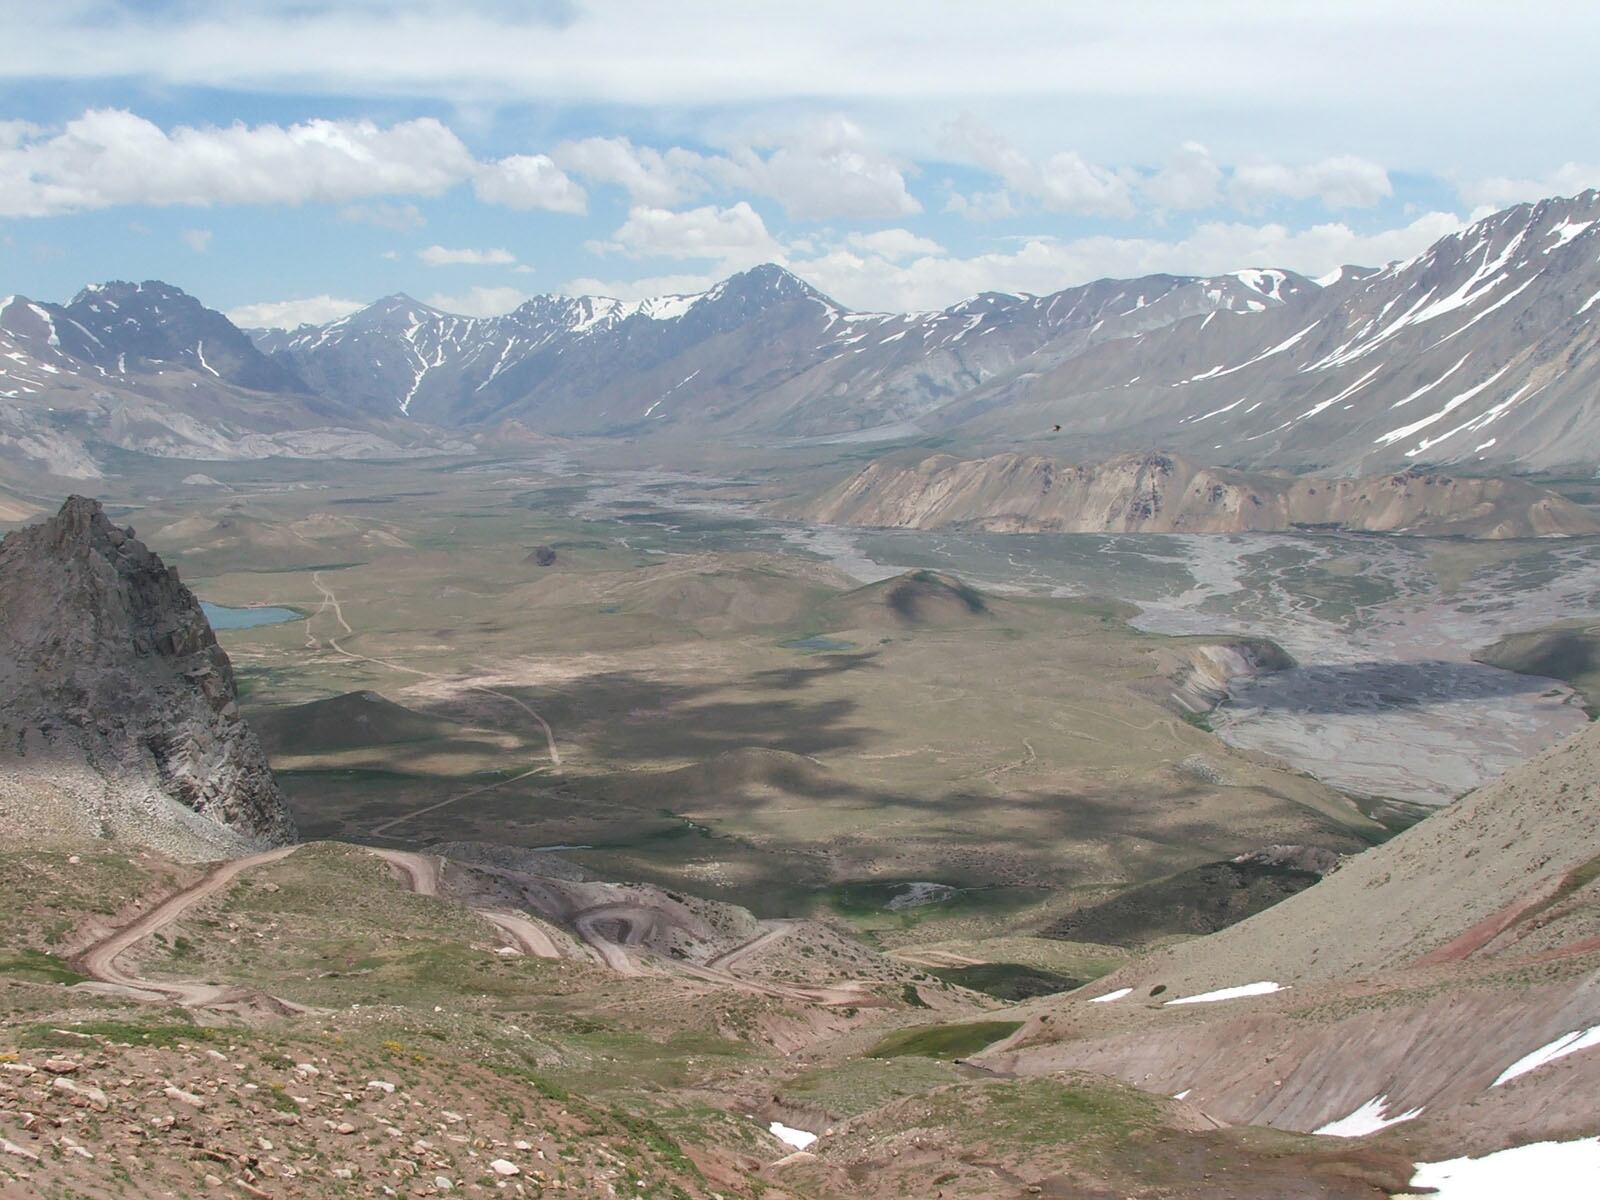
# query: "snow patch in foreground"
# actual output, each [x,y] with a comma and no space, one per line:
[798,1138]
[1567,1043]
[1265,987]
[1369,1118]
[1110,996]
[1539,1169]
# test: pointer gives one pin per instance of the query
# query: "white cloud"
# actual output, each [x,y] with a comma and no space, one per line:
[1190,179]
[825,169]
[479,301]
[1063,182]
[288,314]
[198,240]
[877,277]
[1342,182]
[443,256]
[398,217]
[651,177]
[735,236]
[982,206]
[1042,265]
[108,157]
[894,244]
[1496,192]
[527,181]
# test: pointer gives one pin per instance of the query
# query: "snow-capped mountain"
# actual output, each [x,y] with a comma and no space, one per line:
[1485,348]
[762,352]
[146,367]
[1481,350]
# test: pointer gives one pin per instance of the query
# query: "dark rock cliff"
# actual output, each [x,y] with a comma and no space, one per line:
[109,669]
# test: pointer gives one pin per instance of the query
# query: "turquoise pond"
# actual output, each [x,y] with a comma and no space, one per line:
[223,617]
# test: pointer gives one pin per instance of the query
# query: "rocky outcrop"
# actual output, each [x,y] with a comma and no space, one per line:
[1164,493]
[118,711]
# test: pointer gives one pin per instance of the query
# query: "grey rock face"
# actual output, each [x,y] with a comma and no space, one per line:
[109,670]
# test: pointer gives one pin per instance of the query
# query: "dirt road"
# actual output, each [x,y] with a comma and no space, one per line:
[729,959]
[331,601]
[99,961]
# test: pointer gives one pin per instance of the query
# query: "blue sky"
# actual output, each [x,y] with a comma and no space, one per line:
[288,161]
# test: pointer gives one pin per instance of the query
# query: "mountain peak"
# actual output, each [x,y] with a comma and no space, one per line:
[108,662]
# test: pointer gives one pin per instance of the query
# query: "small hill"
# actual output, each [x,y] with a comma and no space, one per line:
[916,598]
[1163,493]
[118,711]
[348,722]
[1568,652]
[1201,900]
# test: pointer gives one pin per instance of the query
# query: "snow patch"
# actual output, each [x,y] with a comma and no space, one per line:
[1110,996]
[789,1136]
[1264,988]
[1369,1118]
[1567,1043]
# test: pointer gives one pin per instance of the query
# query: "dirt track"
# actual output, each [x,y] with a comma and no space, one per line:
[423,874]
[99,961]
[330,601]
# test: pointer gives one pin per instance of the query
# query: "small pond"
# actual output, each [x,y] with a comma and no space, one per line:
[817,645]
[223,617]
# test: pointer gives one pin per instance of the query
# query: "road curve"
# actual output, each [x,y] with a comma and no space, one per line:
[99,961]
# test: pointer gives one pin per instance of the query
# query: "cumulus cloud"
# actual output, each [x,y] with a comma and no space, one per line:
[198,240]
[1042,265]
[1500,191]
[528,181]
[288,314]
[443,256]
[398,217]
[982,206]
[1063,182]
[479,301]
[820,170]
[1190,179]
[651,177]
[111,156]
[825,169]
[895,270]
[894,244]
[1345,181]
[735,236]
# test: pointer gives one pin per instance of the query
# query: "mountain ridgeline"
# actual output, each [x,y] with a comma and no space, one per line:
[1483,352]
[1164,493]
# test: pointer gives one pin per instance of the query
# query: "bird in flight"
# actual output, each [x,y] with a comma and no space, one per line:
[1055,429]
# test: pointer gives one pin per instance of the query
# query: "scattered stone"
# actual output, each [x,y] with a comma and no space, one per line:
[61,1066]
[182,1097]
[442,1182]
[7,1146]
[381,1085]
[82,1095]
[503,1167]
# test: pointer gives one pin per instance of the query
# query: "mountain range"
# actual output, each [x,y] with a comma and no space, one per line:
[1480,352]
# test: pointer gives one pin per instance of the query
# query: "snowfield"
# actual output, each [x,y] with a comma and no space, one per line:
[1551,1169]
[1264,988]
